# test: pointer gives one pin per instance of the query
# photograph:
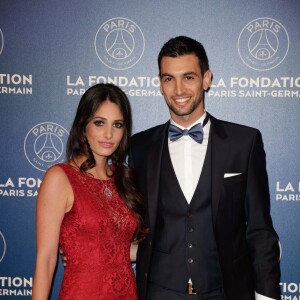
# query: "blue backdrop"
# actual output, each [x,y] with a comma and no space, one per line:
[52,51]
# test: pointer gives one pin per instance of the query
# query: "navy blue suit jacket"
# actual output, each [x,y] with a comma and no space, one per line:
[247,242]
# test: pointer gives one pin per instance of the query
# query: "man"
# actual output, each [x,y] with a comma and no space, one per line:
[211,234]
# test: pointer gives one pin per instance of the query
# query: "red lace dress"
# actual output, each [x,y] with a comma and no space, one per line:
[95,236]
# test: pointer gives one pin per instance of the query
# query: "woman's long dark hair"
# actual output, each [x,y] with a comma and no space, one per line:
[78,145]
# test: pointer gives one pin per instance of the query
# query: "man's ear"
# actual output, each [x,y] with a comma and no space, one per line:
[207,79]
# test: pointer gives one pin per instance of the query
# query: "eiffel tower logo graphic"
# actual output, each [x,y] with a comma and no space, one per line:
[48,151]
[120,48]
[263,49]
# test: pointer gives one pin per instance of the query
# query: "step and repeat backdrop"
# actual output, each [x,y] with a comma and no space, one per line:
[52,51]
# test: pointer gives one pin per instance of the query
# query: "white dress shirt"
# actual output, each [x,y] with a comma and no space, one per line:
[187,158]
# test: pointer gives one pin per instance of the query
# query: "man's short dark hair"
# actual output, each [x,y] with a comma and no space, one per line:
[183,45]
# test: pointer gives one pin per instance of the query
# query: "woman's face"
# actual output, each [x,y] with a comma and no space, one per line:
[105,130]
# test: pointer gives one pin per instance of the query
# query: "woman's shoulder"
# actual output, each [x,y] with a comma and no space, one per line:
[55,185]
[63,168]
[57,174]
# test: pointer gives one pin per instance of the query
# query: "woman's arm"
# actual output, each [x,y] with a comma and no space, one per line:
[54,199]
[133,251]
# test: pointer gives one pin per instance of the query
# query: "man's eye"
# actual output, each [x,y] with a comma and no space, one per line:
[189,77]
[167,79]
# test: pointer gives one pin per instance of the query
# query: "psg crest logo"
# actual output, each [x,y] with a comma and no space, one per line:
[119,43]
[45,145]
[263,44]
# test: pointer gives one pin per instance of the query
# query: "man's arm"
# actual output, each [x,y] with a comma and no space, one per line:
[261,236]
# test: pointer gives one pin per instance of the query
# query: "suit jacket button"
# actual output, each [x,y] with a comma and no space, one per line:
[146,275]
[190,260]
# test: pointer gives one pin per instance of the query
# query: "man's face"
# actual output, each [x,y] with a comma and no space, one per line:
[183,85]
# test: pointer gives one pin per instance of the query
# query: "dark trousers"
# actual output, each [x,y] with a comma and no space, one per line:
[156,292]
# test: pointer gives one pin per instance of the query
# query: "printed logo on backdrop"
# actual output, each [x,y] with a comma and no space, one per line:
[263,44]
[2,246]
[15,286]
[287,191]
[20,187]
[44,145]
[1,41]
[17,84]
[119,43]
[290,290]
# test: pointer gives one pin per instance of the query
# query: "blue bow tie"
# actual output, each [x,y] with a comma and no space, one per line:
[196,132]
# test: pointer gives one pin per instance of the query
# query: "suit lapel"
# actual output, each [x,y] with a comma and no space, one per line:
[153,173]
[219,153]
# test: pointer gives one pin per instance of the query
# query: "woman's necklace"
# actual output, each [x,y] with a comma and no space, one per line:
[107,192]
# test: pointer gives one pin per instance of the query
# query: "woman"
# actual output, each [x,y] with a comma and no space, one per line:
[89,205]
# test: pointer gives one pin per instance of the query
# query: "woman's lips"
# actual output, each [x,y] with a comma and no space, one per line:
[106,144]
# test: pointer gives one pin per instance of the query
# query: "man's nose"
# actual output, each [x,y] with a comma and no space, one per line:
[179,87]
